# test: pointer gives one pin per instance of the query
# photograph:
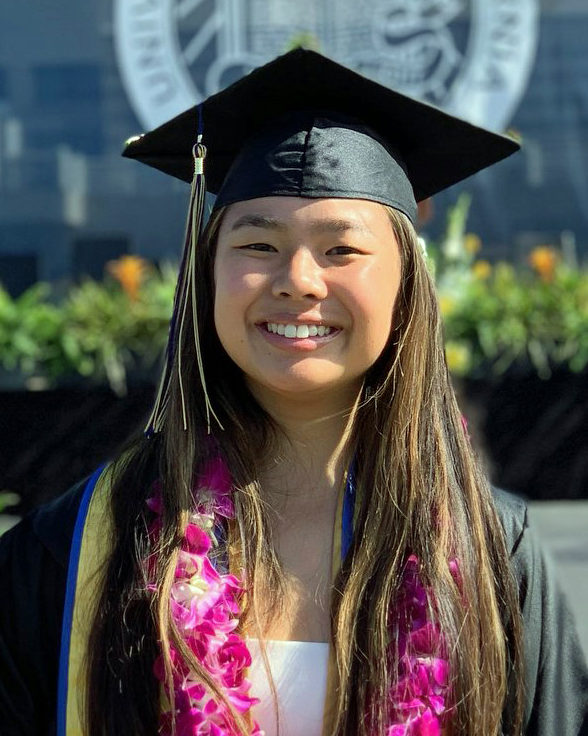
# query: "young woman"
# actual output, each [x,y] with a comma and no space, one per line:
[303,543]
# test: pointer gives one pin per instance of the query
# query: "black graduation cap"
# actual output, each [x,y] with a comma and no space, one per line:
[305,125]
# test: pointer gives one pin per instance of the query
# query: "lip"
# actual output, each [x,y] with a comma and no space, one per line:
[299,319]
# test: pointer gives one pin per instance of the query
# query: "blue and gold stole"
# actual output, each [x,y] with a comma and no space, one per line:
[90,549]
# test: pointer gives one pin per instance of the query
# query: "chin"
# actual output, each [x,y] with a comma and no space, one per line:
[300,386]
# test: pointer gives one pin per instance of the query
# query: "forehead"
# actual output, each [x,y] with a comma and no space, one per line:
[283,213]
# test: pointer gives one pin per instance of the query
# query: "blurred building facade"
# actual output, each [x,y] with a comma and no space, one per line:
[69,203]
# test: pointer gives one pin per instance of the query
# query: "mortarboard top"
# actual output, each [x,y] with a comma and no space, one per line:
[304,125]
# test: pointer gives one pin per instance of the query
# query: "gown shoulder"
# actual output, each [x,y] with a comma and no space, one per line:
[34,558]
[555,667]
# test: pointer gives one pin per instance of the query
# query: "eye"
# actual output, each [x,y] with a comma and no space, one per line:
[342,250]
[259,247]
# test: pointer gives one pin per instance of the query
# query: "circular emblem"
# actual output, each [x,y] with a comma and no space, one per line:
[470,57]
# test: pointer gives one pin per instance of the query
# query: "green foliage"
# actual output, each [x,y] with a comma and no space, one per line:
[98,331]
[30,331]
[500,316]
[107,332]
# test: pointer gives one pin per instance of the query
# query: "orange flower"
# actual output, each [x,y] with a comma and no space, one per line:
[543,260]
[129,271]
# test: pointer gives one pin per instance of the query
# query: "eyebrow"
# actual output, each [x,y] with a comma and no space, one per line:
[268,223]
[330,225]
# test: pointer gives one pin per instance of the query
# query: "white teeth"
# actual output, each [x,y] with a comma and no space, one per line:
[297,331]
[302,331]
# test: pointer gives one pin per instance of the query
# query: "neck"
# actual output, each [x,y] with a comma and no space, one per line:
[314,451]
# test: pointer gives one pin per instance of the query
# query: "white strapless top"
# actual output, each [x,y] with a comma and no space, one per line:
[299,671]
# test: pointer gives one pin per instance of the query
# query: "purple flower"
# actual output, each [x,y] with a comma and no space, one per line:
[425,725]
[214,486]
[418,697]
[197,540]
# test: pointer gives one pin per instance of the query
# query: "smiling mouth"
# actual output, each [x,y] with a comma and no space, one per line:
[298,331]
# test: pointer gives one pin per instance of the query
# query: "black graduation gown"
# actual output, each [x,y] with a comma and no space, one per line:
[33,567]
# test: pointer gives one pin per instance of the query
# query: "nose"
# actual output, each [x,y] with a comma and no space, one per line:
[300,277]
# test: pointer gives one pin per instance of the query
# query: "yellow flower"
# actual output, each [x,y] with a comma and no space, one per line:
[543,260]
[481,270]
[472,243]
[446,305]
[459,357]
[129,271]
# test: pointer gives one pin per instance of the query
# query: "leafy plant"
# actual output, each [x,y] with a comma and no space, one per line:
[30,331]
[99,331]
[502,315]
[120,323]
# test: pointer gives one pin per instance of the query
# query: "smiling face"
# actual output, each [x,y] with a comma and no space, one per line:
[305,291]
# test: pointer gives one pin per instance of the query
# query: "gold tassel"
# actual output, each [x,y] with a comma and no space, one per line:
[185,289]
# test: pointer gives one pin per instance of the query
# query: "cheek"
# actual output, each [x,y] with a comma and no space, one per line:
[229,286]
[236,292]
[225,279]
[376,298]
[224,302]
[227,324]
[235,277]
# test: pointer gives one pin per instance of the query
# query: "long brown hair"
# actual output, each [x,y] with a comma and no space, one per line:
[421,491]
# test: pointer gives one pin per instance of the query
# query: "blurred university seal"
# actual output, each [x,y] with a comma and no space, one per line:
[470,57]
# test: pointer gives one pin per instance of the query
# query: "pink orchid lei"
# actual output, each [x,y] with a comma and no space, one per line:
[419,700]
[205,607]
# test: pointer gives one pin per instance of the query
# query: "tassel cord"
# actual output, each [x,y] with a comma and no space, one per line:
[185,289]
